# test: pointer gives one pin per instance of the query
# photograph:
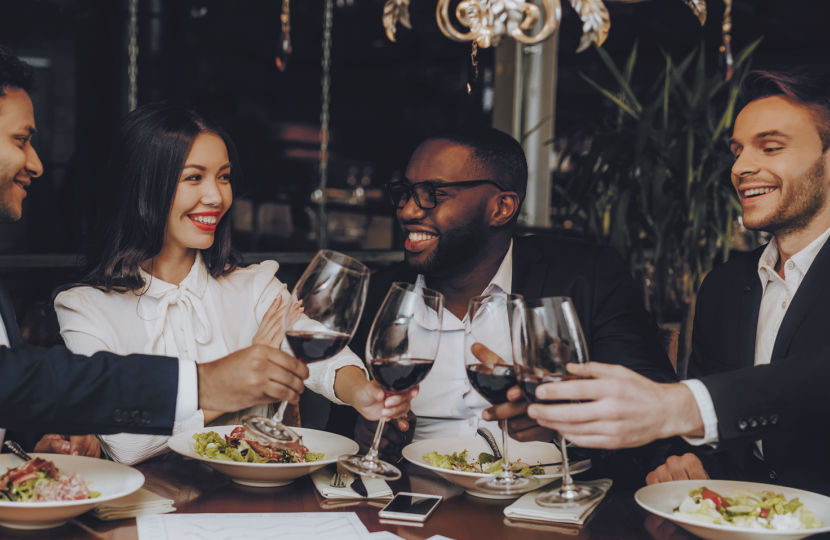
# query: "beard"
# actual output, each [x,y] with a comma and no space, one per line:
[9,210]
[455,248]
[805,199]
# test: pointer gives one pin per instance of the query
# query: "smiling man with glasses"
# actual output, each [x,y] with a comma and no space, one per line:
[457,207]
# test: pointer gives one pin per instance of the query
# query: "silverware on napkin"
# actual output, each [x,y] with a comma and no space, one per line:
[357,484]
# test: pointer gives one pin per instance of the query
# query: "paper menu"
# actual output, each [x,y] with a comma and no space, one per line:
[288,526]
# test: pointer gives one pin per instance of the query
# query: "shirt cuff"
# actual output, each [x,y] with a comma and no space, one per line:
[707,413]
[187,398]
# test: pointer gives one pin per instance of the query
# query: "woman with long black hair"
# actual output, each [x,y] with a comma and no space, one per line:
[163,279]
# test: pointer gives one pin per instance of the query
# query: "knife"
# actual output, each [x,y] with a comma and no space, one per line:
[358,486]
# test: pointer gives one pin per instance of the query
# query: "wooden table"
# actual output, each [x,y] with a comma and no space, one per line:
[196,488]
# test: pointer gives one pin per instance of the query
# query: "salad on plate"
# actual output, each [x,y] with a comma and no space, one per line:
[486,463]
[239,446]
[749,509]
[40,480]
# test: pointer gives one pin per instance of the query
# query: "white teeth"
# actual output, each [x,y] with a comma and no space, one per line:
[757,191]
[419,236]
[207,220]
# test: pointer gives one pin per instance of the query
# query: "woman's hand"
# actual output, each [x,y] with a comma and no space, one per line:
[271,331]
[76,445]
[372,402]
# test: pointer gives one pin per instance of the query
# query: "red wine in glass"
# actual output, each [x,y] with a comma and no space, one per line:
[528,384]
[492,381]
[400,375]
[311,346]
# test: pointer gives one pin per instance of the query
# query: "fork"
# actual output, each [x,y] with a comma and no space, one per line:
[15,449]
[337,481]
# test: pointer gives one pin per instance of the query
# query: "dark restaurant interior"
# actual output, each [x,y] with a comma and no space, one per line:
[601,226]
[385,97]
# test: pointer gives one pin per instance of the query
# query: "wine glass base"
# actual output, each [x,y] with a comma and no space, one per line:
[563,498]
[271,432]
[359,464]
[511,485]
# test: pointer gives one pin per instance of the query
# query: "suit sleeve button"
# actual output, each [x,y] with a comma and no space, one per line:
[116,415]
[147,417]
[773,419]
[772,475]
[742,424]
[763,421]
[753,423]
[135,417]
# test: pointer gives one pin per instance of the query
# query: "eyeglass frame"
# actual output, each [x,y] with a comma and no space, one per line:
[436,185]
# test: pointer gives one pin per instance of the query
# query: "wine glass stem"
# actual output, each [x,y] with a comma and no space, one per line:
[567,482]
[372,454]
[280,412]
[506,472]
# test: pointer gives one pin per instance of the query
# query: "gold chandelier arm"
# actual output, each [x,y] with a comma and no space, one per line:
[553,16]
[442,15]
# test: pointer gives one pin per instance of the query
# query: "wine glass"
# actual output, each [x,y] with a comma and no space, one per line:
[492,337]
[333,291]
[554,339]
[402,346]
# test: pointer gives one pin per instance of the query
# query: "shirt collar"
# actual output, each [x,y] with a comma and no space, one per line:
[802,260]
[501,282]
[195,281]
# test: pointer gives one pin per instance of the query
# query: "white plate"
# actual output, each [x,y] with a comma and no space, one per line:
[532,453]
[112,480]
[661,499]
[268,474]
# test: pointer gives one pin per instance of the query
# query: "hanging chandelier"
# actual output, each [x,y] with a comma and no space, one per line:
[488,21]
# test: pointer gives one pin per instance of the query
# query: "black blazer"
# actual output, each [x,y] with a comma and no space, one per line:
[785,403]
[617,328]
[55,391]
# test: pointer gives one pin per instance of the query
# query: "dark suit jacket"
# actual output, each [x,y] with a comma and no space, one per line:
[55,391]
[785,403]
[618,330]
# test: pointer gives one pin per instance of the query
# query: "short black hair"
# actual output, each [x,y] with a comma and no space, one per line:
[494,152]
[807,86]
[15,73]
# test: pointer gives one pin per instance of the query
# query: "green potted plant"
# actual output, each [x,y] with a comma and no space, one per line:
[654,181]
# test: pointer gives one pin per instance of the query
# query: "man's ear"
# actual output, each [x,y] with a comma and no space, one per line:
[506,208]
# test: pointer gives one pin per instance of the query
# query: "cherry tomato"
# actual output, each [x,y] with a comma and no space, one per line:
[719,501]
[764,512]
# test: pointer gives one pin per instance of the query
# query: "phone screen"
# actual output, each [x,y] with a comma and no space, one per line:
[417,505]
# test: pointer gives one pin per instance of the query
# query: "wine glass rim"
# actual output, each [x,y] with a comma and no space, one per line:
[349,264]
[409,287]
[537,302]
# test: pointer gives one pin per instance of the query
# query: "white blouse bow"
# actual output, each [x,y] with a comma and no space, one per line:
[188,297]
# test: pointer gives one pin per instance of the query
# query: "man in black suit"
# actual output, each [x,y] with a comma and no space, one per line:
[761,342]
[458,207]
[52,390]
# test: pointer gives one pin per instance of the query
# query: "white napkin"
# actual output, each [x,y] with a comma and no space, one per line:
[526,507]
[140,503]
[375,487]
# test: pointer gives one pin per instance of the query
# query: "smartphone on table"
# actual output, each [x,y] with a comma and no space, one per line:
[410,506]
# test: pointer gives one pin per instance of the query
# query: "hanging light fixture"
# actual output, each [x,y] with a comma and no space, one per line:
[490,20]
[284,48]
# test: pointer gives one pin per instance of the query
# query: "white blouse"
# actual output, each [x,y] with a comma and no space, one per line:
[202,319]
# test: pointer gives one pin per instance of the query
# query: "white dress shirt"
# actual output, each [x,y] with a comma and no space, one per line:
[447,405]
[200,320]
[776,296]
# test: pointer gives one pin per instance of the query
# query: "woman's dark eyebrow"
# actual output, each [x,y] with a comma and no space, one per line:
[201,168]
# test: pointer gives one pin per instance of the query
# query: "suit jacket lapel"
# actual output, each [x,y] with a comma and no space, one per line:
[9,318]
[750,308]
[808,292]
[528,269]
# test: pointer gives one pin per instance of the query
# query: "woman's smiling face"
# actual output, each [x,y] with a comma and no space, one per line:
[203,195]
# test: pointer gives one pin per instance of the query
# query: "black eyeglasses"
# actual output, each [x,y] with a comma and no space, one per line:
[424,192]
